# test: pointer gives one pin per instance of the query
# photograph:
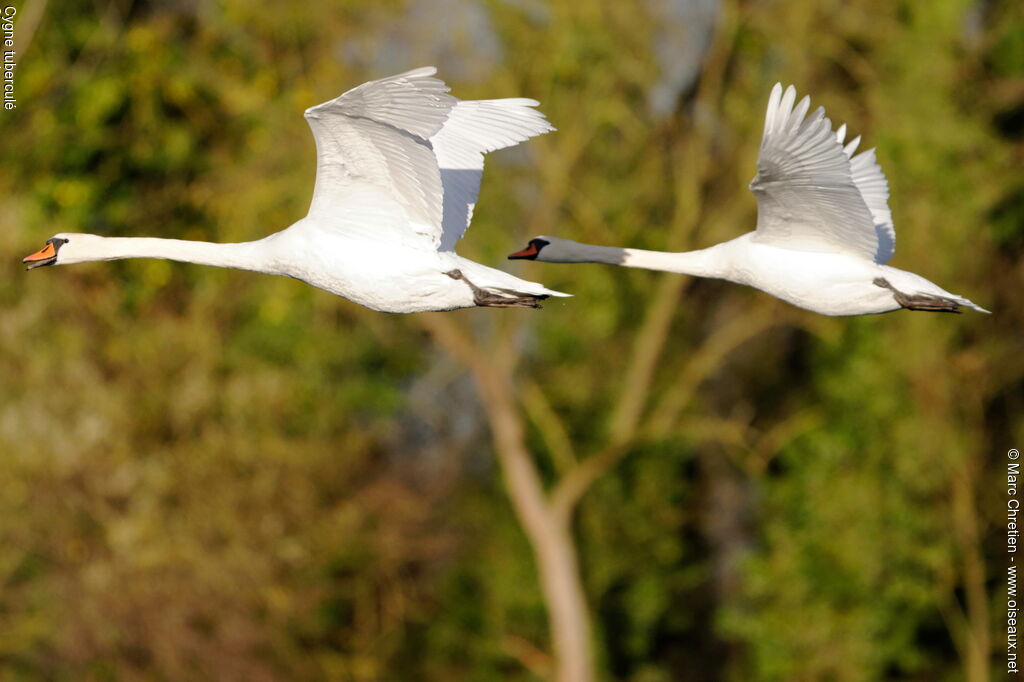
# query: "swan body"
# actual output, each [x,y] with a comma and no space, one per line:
[399,163]
[824,229]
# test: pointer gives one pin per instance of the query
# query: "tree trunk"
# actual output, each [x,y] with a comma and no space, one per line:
[548,531]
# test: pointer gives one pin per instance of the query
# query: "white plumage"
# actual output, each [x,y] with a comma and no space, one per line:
[806,196]
[473,129]
[824,229]
[399,163]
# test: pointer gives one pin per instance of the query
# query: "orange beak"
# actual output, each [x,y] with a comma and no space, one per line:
[44,256]
[529,252]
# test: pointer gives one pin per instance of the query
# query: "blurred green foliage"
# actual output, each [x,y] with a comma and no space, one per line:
[215,475]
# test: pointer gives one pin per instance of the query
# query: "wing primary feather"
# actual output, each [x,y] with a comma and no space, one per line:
[773,110]
[473,129]
[812,193]
[786,107]
[852,147]
[800,112]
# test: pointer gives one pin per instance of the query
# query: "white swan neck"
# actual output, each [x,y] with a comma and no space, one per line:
[702,263]
[241,255]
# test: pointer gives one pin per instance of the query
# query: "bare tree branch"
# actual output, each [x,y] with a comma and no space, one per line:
[549,536]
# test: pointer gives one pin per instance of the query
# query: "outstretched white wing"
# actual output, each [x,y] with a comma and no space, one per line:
[874,189]
[471,130]
[807,197]
[374,158]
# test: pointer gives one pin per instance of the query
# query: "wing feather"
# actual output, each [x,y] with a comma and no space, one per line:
[807,195]
[874,188]
[372,141]
[471,130]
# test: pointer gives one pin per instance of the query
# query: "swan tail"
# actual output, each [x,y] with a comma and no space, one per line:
[972,305]
[947,302]
[501,283]
[914,292]
[525,288]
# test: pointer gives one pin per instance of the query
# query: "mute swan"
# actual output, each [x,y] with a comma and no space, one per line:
[399,162]
[824,230]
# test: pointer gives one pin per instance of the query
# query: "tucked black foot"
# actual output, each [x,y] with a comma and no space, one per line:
[936,304]
[506,299]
